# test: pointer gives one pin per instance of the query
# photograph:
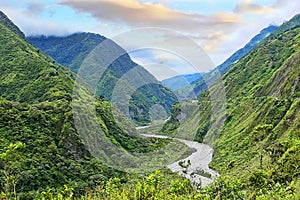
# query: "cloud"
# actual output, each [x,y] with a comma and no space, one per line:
[141,14]
[162,64]
[207,30]
[247,6]
[31,25]
[35,8]
[214,40]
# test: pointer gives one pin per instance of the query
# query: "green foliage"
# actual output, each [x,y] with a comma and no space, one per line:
[66,194]
[10,25]
[257,151]
[51,150]
[259,142]
[125,136]
[173,123]
[12,163]
[71,51]
[258,179]
[36,110]
[258,145]
[153,186]
[223,188]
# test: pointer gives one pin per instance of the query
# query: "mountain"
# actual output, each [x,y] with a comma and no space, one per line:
[199,85]
[289,25]
[255,130]
[144,89]
[49,145]
[246,49]
[180,81]
[46,141]
[10,25]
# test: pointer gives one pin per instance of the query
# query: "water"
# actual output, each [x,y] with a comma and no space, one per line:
[195,165]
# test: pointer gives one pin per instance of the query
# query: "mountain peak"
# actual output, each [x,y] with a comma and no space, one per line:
[10,25]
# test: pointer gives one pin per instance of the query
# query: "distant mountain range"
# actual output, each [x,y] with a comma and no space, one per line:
[71,51]
[180,81]
[190,89]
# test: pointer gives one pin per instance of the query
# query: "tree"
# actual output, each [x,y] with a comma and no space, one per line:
[11,166]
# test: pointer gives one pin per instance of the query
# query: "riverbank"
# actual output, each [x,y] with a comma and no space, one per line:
[195,167]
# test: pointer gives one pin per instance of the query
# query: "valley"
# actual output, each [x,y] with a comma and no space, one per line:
[193,164]
[62,135]
[195,167]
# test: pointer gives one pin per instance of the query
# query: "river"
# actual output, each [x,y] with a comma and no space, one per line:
[196,167]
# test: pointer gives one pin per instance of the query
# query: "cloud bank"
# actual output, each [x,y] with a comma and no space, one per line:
[141,14]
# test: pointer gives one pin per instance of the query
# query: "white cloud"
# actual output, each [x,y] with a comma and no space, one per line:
[145,14]
[247,6]
[29,21]
[219,33]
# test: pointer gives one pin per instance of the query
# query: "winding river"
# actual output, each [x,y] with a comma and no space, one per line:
[195,166]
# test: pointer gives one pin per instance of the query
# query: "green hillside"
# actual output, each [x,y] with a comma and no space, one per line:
[256,135]
[48,149]
[144,89]
[40,144]
[10,25]
[196,87]
[260,138]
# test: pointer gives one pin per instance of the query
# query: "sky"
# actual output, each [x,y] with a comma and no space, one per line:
[218,27]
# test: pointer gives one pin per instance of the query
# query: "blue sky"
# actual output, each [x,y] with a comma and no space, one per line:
[219,27]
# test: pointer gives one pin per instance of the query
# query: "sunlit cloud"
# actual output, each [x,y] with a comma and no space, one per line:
[31,25]
[247,6]
[141,14]
[218,27]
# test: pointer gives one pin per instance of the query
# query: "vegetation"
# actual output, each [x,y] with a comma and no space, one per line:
[146,91]
[10,25]
[257,150]
[201,84]
[40,148]
[258,144]
[157,185]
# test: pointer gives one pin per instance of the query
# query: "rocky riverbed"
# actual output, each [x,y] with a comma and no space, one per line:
[195,166]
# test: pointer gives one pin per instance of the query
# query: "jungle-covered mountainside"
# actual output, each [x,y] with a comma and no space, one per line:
[201,84]
[71,51]
[40,145]
[256,135]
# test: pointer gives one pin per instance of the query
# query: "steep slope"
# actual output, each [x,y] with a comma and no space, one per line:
[257,136]
[200,84]
[36,110]
[246,49]
[10,25]
[261,131]
[68,51]
[71,52]
[43,121]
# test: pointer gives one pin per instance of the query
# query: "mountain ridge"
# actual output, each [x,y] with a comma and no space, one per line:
[256,133]
[197,86]
[79,45]
[10,25]
[37,105]
[180,81]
